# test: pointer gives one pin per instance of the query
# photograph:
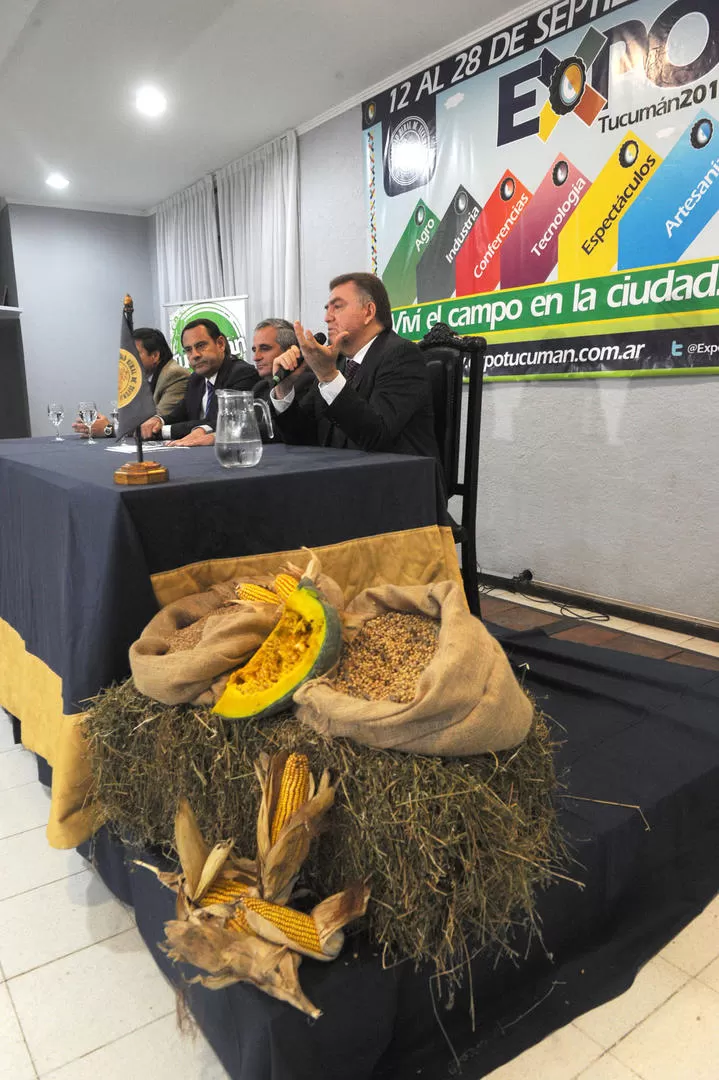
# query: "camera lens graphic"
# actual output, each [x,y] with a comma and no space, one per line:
[506,190]
[419,215]
[370,112]
[701,133]
[628,154]
[460,202]
[560,172]
[567,85]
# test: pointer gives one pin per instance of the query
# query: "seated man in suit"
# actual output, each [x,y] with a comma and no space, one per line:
[168,379]
[368,389]
[192,421]
[271,337]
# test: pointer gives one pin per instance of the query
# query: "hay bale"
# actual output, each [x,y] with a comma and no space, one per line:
[454,848]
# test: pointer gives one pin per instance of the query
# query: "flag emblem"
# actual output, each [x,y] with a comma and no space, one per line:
[129,378]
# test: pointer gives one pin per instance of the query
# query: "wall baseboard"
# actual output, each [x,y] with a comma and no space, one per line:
[665,620]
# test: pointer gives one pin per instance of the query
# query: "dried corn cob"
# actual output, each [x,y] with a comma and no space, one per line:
[239,924]
[256,593]
[296,926]
[227,891]
[284,584]
[294,791]
[224,891]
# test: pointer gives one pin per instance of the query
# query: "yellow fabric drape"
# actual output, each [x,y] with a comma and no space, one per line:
[32,692]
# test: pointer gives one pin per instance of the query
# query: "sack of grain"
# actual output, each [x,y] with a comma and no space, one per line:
[187,651]
[458,698]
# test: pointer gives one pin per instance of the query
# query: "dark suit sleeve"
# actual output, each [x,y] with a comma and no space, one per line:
[261,392]
[243,376]
[298,424]
[180,419]
[400,389]
[178,414]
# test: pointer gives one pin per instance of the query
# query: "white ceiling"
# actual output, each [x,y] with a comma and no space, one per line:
[236,74]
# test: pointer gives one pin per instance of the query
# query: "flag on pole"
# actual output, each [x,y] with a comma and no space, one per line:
[135,402]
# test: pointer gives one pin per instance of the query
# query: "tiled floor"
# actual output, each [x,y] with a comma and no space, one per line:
[81,999]
[80,995]
[666,1026]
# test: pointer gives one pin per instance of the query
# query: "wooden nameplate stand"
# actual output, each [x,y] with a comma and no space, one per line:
[141,472]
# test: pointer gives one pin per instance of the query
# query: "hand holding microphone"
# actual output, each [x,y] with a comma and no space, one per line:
[292,354]
[318,356]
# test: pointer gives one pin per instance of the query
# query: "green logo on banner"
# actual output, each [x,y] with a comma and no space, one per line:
[228,322]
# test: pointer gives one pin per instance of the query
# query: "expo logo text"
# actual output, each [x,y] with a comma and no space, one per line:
[642,49]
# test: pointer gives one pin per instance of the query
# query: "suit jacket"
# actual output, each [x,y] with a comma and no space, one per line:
[262,390]
[233,375]
[388,407]
[168,386]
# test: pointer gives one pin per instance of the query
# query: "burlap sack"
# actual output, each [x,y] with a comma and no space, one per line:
[467,699]
[198,676]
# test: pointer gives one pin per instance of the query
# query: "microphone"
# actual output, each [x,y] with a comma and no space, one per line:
[283,372]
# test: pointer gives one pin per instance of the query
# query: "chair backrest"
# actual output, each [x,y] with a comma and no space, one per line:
[452,364]
[444,366]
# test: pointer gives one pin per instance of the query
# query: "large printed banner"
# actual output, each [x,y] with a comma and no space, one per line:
[555,188]
[229,312]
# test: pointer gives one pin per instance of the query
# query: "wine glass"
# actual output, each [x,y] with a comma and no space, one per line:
[87,411]
[56,415]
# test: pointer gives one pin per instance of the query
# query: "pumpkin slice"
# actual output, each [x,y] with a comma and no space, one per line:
[305,643]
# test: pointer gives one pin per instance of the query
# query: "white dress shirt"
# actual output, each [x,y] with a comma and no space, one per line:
[329,390]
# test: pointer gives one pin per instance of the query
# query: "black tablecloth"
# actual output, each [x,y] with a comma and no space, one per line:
[633,730]
[77,551]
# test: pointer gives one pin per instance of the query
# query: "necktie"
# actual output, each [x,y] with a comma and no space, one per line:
[351,369]
[210,397]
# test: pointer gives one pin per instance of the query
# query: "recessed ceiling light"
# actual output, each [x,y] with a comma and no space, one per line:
[57,180]
[150,101]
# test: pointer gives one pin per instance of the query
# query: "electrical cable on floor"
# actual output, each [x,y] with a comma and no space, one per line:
[563,609]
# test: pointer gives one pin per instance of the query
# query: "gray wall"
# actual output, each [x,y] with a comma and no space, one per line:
[333,236]
[14,415]
[610,489]
[73,269]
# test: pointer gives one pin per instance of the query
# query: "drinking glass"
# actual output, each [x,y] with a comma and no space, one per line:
[114,414]
[56,415]
[87,411]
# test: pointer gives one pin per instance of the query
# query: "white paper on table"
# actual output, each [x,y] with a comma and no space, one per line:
[147,448]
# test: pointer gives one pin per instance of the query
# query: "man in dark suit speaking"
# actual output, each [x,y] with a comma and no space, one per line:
[193,421]
[368,389]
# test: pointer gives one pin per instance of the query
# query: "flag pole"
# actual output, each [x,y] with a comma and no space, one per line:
[140,471]
[129,310]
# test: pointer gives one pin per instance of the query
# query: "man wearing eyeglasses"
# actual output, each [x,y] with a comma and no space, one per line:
[194,419]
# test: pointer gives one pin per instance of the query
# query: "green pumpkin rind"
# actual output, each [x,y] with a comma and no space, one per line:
[326,659]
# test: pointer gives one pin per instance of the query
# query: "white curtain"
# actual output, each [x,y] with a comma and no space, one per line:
[188,249]
[257,199]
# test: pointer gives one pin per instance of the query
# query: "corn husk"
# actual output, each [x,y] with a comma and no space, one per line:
[280,863]
[208,936]
[228,957]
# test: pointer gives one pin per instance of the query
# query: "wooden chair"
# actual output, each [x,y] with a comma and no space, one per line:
[450,361]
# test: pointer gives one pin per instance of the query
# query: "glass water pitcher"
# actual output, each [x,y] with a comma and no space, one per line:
[237,436]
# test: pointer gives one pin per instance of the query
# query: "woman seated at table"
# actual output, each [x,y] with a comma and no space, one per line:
[168,379]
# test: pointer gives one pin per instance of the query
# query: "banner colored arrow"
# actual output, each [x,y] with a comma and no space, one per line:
[400,273]
[530,253]
[678,203]
[589,242]
[478,262]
